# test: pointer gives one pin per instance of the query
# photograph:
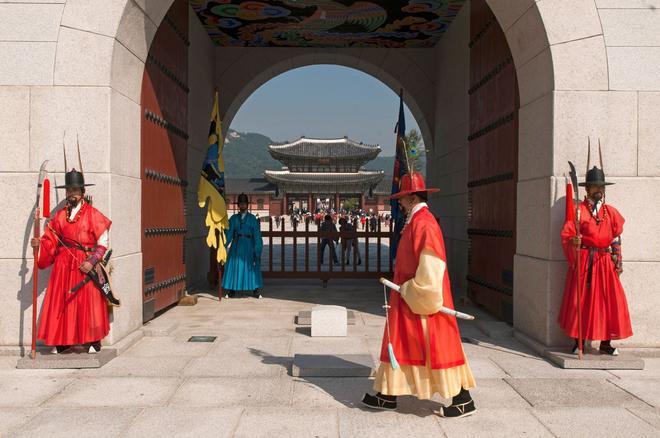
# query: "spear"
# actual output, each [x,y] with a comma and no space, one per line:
[35,271]
[573,176]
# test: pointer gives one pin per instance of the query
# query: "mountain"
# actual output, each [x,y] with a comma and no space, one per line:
[246,156]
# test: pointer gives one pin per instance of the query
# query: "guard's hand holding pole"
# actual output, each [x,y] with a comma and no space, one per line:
[445,310]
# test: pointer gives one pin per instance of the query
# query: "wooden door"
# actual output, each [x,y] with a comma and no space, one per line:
[163,162]
[493,164]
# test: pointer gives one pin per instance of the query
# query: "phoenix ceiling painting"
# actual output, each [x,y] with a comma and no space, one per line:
[326,23]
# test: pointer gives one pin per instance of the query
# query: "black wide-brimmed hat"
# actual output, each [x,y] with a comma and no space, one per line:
[242,198]
[595,177]
[73,179]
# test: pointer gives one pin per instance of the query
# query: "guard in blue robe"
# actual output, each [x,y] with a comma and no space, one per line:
[243,267]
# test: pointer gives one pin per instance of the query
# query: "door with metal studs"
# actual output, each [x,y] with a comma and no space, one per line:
[164,140]
[493,164]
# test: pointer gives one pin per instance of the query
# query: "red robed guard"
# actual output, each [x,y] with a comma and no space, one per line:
[74,243]
[426,342]
[603,309]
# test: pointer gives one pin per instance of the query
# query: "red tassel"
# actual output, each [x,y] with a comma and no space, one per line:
[46,209]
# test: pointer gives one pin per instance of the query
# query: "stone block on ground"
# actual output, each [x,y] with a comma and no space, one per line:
[327,365]
[63,361]
[329,321]
[305,317]
[596,361]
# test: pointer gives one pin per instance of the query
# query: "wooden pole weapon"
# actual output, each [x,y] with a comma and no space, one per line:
[35,251]
[578,265]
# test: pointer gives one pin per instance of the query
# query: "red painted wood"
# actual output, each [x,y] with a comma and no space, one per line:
[492,206]
[163,151]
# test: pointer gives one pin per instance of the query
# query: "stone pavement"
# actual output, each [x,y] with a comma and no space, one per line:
[241,384]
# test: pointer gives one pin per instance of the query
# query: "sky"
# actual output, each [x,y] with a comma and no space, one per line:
[324,101]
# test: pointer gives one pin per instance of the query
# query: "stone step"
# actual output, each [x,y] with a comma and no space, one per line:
[594,361]
[67,361]
[325,365]
[305,317]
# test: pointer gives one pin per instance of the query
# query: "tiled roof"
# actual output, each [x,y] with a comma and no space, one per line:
[235,186]
[324,148]
[325,178]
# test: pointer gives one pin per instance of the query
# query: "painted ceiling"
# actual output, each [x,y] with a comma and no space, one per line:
[326,23]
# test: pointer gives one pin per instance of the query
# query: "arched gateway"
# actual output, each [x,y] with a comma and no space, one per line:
[88,70]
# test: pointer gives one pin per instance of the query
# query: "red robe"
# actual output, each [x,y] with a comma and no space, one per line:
[604,308]
[82,317]
[423,232]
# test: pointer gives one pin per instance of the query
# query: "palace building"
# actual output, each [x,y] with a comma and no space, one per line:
[323,172]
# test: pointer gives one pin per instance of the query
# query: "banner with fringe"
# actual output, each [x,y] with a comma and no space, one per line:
[211,190]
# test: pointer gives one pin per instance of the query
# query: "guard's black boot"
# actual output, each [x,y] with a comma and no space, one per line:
[256,294]
[379,401]
[606,348]
[64,349]
[575,348]
[462,405]
[93,347]
[230,294]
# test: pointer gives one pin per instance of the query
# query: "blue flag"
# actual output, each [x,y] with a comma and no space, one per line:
[400,169]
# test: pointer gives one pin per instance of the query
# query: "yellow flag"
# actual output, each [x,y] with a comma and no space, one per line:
[211,190]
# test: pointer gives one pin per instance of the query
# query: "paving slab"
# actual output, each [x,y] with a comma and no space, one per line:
[365,423]
[184,422]
[83,422]
[12,419]
[495,393]
[167,346]
[239,365]
[29,390]
[651,370]
[348,345]
[494,329]
[546,393]
[644,389]
[288,422]
[329,365]
[485,368]
[159,327]
[488,422]
[228,391]
[590,361]
[116,392]
[594,422]
[536,367]
[304,317]
[131,366]
[276,346]
[330,392]
[647,413]
[67,361]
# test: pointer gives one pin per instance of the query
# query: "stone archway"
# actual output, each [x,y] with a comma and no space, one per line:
[254,73]
[546,53]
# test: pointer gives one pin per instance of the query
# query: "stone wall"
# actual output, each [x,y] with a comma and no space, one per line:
[200,103]
[447,161]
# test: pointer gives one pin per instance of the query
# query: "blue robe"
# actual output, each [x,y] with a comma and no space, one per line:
[243,266]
